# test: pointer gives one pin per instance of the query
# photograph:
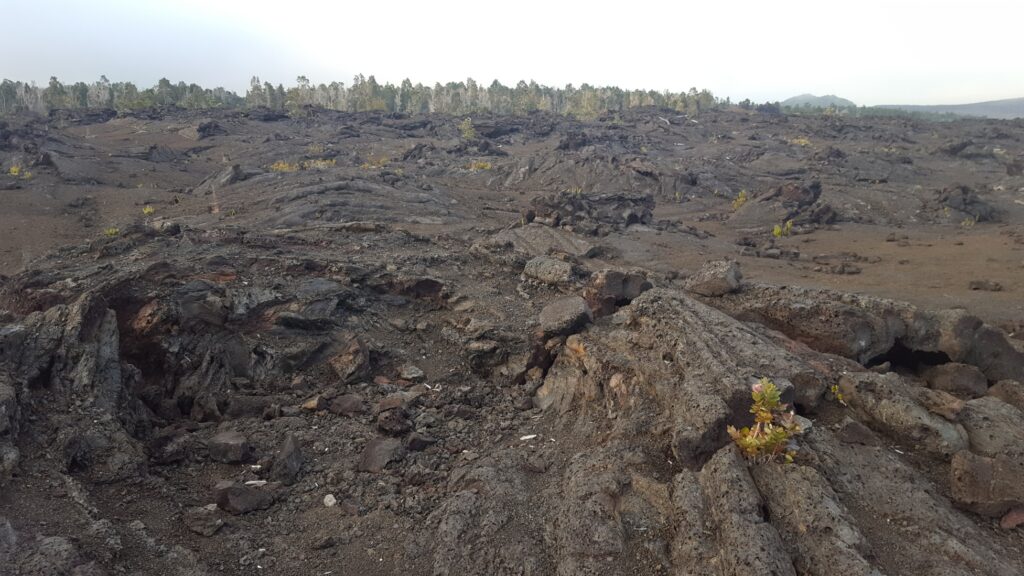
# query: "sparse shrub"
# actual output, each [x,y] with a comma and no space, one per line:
[375,163]
[148,210]
[18,172]
[318,163]
[740,200]
[575,190]
[315,149]
[467,130]
[282,166]
[774,427]
[800,141]
[968,222]
[112,232]
[477,165]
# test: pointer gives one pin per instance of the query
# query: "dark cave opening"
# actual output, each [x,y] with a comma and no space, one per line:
[902,358]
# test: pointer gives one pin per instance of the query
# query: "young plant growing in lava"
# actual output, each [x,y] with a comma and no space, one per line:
[774,427]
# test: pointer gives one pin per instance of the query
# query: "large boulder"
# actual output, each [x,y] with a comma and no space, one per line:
[987,485]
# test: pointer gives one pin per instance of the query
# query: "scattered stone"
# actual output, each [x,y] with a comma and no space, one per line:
[287,462]
[379,452]
[959,379]
[203,520]
[8,406]
[395,400]
[240,499]
[565,315]
[347,405]
[330,501]
[549,270]
[9,457]
[536,463]
[716,278]
[394,422]
[853,432]
[417,442]
[411,373]
[353,362]
[1012,519]
[351,507]
[8,539]
[324,543]
[204,129]
[230,447]
[986,286]
[315,404]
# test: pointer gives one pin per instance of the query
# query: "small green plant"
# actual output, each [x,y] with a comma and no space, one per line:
[575,190]
[801,141]
[740,200]
[774,427]
[837,394]
[477,165]
[148,210]
[315,149]
[112,232]
[968,222]
[467,130]
[783,230]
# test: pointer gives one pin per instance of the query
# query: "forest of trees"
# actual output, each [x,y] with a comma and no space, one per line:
[363,94]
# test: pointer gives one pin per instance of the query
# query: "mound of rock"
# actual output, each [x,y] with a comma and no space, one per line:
[592,214]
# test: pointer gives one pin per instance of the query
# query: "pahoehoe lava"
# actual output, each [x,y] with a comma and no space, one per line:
[367,344]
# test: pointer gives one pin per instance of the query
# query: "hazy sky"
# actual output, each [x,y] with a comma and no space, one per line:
[870,51]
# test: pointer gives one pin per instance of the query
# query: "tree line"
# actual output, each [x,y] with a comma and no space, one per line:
[363,94]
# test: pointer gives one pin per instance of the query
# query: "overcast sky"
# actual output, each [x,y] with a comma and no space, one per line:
[870,51]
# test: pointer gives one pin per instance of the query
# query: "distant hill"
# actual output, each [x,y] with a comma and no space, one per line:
[1004,109]
[818,101]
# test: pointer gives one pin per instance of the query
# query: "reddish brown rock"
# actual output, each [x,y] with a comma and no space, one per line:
[353,362]
[960,379]
[988,486]
[347,405]
[380,452]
